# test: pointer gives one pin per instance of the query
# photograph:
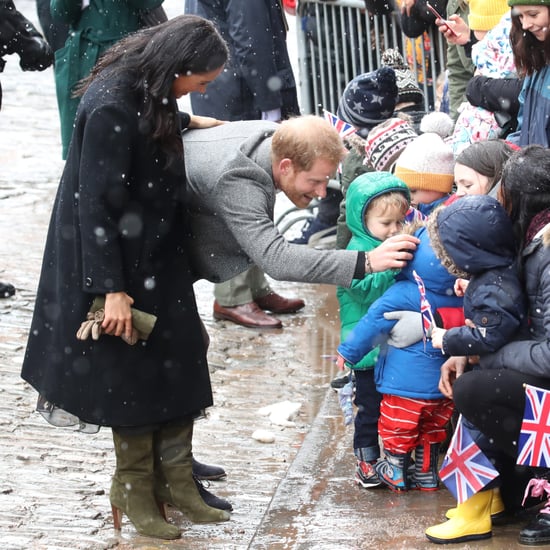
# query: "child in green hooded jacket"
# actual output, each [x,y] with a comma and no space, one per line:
[376,207]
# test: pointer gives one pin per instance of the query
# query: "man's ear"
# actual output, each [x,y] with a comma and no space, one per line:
[285,165]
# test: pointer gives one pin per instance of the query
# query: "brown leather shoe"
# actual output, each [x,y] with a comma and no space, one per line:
[248,315]
[277,304]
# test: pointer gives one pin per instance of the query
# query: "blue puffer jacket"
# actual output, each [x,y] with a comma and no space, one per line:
[474,239]
[412,371]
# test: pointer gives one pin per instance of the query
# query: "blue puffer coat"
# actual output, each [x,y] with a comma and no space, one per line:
[412,371]
[474,239]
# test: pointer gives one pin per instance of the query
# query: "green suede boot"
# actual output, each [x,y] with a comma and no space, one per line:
[173,457]
[132,487]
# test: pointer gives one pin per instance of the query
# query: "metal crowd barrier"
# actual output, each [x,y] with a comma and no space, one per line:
[338,40]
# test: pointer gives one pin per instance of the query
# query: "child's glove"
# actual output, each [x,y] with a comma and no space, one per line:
[407,330]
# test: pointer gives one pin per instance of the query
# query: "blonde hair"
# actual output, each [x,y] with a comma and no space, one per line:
[392,200]
[305,139]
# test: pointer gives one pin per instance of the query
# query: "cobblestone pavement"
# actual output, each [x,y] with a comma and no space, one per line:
[295,493]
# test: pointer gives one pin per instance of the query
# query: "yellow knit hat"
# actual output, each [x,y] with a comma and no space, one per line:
[485,14]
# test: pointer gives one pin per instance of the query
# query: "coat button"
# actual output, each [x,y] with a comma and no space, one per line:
[484,320]
[88,281]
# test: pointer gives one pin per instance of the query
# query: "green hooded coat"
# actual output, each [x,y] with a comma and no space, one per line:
[93,30]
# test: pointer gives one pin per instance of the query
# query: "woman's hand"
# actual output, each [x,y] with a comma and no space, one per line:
[406,6]
[198,122]
[455,30]
[118,315]
[450,371]
[393,253]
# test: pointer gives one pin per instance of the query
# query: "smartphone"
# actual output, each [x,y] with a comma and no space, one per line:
[439,16]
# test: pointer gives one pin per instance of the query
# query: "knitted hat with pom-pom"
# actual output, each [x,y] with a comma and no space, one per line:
[409,92]
[428,162]
[369,99]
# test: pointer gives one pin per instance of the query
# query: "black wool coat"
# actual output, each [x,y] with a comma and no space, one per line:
[117,225]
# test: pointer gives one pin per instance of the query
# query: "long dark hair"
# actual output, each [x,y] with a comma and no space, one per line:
[152,58]
[525,187]
[529,54]
[486,158]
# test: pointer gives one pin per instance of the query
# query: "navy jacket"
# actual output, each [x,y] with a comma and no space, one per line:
[474,236]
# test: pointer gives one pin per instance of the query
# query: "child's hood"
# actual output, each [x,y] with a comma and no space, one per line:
[362,190]
[472,235]
[426,264]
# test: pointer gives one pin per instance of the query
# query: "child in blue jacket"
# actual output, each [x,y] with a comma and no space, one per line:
[413,412]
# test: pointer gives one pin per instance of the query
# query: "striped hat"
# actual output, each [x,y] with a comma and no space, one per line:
[386,142]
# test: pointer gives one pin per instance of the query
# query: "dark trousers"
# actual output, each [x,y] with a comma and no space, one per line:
[494,402]
[367,401]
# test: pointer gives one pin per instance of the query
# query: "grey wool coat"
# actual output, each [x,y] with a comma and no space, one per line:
[117,225]
[231,199]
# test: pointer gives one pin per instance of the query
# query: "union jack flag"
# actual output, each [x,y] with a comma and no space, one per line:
[534,437]
[428,321]
[465,469]
[343,128]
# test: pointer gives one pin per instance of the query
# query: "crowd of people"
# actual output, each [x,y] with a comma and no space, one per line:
[152,199]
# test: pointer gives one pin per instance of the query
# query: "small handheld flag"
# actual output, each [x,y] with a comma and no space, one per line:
[465,469]
[343,128]
[534,437]
[428,321]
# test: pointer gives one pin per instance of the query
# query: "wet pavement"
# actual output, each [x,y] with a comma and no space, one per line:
[295,493]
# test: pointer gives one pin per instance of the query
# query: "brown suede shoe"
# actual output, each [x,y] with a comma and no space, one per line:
[248,315]
[277,304]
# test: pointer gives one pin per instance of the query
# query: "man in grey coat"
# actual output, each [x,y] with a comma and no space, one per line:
[256,84]
[234,172]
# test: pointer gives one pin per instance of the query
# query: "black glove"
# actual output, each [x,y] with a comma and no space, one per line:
[37,54]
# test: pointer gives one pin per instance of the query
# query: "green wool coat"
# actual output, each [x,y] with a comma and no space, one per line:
[356,300]
[92,31]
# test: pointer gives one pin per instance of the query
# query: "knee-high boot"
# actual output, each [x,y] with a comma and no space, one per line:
[174,460]
[472,521]
[132,487]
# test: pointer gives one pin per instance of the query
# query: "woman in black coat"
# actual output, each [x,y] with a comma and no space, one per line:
[117,231]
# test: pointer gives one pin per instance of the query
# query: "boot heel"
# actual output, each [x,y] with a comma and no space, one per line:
[162,510]
[117,517]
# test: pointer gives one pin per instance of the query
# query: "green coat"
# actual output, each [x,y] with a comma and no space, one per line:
[356,300]
[92,31]
[460,66]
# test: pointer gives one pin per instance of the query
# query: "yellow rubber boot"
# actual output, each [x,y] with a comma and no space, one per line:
[472,521]
[497,506]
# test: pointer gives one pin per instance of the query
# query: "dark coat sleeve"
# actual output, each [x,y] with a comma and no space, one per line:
[103,196]
[495,94]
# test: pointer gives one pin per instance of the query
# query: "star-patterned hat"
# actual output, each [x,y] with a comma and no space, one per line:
[369,99]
